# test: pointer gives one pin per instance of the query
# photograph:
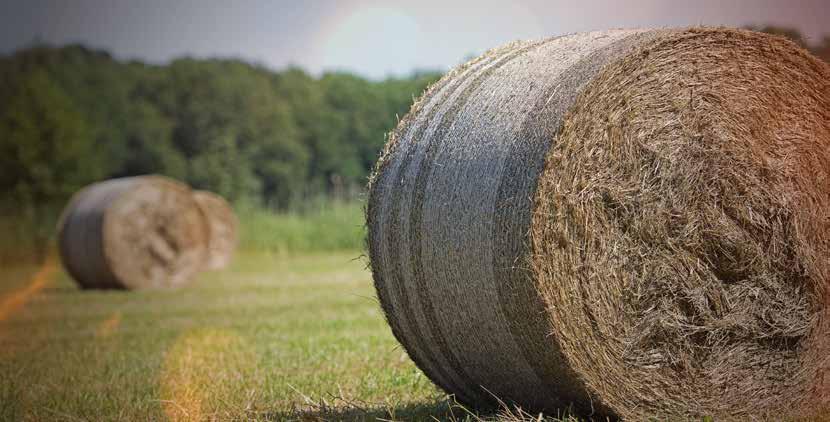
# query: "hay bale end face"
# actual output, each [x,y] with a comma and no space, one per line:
[223,228]
[133,233]
[632,223]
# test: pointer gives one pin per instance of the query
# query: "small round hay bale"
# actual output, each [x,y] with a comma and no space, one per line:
[222,228]
[632,223]
[133,233]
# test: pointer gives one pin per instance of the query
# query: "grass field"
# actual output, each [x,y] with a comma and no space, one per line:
[322,226]
[272,338]
[291,331]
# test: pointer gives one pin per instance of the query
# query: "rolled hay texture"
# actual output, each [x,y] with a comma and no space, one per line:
[634,223]
[222,228]
[133,233]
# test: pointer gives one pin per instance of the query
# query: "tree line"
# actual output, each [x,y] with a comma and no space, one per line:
[72,115]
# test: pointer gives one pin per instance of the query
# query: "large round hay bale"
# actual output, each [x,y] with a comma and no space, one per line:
[133,233]
[634,223]
[222,228]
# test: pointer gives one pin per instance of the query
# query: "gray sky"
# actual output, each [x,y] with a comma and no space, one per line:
[370,37]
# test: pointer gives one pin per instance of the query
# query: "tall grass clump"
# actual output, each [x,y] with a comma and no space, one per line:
[16,241]
[26,233]
[318,226]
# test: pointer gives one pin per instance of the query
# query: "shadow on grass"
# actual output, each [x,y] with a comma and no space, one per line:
[440,409]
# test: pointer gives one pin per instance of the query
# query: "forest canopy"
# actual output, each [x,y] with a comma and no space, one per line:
[72,115]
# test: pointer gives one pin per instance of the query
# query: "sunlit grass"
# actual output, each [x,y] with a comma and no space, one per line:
[280,335]
[323,227]
[269,338]
[13,302]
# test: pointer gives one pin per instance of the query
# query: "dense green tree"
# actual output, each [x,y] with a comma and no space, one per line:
[239,137]
[98,86]
[232,127]
[343,119]
[149,144]
[820,49]
[72,115]
[46,148]
[785,32]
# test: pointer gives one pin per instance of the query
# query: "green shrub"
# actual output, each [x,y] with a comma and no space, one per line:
[321,226]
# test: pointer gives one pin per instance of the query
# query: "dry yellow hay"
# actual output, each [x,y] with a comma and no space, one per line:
[632,223]
[222,228]
[133,233]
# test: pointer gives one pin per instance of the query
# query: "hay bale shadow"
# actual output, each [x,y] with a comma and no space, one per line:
[440,409]
[415,411]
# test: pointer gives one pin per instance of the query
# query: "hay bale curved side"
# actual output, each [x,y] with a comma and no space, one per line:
[682,240]
[449,210]
[223,228]
[133,233]
[478,242]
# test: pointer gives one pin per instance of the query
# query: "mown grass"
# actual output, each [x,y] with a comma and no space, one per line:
[274,337]
[269,338]
[292,331]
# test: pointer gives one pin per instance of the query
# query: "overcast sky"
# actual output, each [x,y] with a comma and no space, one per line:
[373,38]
